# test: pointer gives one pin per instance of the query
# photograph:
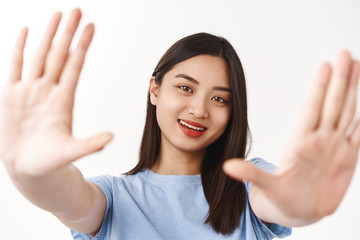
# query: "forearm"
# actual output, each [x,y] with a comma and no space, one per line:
[60,192]
[78,204]
[268,212]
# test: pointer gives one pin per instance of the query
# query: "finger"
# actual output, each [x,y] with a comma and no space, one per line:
[349,108]
[334,99]
[311,112]
[244,171]
[57,57]
[80,148]
[18,57]
[355,134]
[70,76]
[38,65]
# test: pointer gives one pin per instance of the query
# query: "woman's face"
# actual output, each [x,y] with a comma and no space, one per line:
[193,103]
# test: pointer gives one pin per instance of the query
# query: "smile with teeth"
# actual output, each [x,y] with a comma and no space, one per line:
[191,127]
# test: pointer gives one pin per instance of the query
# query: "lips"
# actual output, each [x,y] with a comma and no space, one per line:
[191,129]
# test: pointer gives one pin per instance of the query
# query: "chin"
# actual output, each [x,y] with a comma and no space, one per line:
[192,148]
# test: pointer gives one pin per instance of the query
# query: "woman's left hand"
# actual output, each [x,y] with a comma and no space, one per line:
[319,161]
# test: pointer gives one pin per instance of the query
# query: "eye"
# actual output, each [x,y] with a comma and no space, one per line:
[186,88]
[219,99]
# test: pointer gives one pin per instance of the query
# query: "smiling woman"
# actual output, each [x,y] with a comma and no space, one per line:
[182,150]
[190,88]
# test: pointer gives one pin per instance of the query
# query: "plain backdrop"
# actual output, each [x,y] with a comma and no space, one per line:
[280,43]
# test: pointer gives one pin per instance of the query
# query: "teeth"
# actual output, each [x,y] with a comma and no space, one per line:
[189,126]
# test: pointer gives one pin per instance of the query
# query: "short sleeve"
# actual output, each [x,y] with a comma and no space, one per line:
[262,231]
[104,182]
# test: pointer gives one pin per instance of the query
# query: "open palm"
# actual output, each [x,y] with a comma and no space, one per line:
[319,160]
[36,113]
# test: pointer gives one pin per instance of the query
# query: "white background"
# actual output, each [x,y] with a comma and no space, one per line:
[280,43]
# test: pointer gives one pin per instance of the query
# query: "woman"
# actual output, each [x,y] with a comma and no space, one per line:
[196,120]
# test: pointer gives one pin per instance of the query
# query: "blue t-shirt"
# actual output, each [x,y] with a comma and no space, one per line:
[151,206]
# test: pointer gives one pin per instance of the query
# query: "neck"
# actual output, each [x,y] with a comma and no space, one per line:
[176,162]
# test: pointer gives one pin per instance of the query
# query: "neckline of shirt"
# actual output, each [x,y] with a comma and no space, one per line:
[149,174]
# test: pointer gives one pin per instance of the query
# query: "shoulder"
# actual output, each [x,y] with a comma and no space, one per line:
[262,164]
[109,183]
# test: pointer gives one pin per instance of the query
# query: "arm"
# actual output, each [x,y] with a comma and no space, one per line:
[36,142]
[319,161]
[78,204]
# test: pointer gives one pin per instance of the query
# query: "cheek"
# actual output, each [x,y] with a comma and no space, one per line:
[221,118]
[169,106]
[169,102]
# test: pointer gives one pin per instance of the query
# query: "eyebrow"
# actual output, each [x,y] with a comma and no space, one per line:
[191,79]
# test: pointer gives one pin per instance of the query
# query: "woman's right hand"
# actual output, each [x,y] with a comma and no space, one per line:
[36,112]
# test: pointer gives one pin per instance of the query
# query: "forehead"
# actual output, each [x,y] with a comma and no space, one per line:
[206,69]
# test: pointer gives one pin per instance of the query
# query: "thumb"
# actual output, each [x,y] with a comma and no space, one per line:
[241,170]
[81,148]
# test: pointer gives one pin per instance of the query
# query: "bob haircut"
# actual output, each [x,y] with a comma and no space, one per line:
[225,196]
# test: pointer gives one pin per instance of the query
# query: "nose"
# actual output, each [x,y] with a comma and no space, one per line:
[198,108]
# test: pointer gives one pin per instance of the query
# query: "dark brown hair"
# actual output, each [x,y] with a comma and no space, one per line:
[226,197]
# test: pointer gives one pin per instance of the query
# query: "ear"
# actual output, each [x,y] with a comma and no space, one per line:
[153,89]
